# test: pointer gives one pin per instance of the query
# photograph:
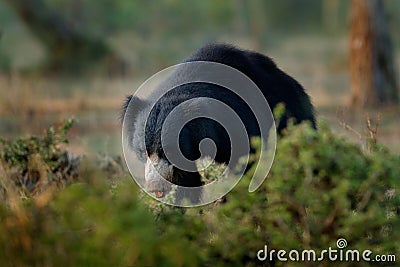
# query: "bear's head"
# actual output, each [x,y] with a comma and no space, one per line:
[145,125]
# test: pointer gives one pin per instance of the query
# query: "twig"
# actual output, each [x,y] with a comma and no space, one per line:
[348,127]
[373,131]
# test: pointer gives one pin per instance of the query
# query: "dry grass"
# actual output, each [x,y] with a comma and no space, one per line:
[29,96]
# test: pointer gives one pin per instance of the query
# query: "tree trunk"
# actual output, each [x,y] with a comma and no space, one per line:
[372,73]
[69,49]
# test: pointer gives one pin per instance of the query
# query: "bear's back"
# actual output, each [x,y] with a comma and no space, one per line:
[275,84]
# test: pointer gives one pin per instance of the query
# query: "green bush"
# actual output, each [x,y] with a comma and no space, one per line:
[89,225]
[320,188]
[34,162]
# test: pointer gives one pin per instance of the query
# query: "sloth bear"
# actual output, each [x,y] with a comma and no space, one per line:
[275,85]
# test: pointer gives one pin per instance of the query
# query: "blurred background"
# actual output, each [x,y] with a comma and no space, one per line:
[64,58]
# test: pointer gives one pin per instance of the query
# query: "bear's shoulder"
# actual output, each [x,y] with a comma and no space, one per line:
[232,56]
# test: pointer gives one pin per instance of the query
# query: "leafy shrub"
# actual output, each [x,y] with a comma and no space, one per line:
[88,224]
[320,188]
[37,161]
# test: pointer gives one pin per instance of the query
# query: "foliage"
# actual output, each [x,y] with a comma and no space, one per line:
[40,159]
[88,225]
[320,188]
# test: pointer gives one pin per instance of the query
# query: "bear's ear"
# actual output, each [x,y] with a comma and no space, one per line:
[131,106]
[125,107]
